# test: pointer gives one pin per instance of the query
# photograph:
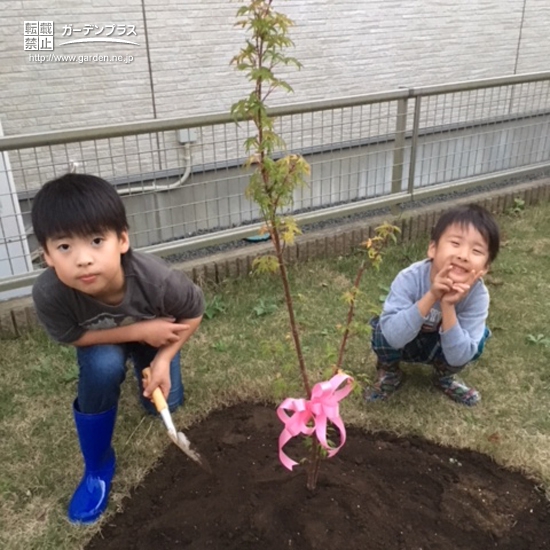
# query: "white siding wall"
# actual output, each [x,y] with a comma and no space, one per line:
[347,47]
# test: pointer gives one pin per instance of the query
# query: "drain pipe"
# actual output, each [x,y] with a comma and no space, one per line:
[165,186]
[122,191]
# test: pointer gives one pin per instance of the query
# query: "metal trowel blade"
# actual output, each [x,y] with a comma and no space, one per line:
[184,444]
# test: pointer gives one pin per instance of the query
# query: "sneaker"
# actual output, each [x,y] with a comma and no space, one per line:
[389,381]
[457,390]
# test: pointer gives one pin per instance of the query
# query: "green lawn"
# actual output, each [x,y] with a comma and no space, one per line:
[244,351]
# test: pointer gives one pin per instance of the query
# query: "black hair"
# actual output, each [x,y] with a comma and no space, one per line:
[79,205]
[476,216]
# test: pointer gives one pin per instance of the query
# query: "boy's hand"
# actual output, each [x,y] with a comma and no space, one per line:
[160,332]
[442,283]
[460,290]
[159,378]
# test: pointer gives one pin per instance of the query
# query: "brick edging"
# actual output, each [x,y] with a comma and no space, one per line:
[18,316]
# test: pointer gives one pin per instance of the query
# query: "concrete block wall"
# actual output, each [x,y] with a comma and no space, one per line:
[181,66]
[18,316]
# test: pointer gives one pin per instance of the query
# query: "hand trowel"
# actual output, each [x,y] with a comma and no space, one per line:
[178,438]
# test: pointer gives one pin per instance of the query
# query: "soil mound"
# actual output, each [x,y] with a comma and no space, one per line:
[380,492]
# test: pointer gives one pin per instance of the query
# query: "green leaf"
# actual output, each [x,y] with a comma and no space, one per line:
[266,264]
[214,307]
[264,308]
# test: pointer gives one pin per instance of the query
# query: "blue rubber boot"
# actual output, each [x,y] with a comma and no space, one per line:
[95,432]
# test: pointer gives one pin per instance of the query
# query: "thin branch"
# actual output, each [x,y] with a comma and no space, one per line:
[351,309]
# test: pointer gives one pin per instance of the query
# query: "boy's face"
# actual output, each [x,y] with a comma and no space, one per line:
[464,248]
[90,264]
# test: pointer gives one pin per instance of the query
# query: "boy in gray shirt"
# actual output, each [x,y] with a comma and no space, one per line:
[437,308]
[112,304]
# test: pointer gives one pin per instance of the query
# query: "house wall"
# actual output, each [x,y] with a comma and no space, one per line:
[181,66]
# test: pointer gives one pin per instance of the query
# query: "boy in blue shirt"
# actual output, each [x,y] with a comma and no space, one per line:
[437,308]
[112,304]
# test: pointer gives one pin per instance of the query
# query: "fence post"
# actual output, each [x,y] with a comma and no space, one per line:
[414,143]
[399,148]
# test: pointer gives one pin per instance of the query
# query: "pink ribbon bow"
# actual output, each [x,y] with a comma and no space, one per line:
[322,407]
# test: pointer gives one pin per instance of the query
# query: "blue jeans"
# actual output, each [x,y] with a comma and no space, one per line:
[102,369]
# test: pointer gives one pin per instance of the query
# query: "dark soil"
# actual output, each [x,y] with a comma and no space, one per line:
[379,492]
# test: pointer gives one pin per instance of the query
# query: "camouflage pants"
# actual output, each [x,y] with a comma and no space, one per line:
[425,348]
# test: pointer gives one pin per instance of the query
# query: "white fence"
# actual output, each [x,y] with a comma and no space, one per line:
[183,183]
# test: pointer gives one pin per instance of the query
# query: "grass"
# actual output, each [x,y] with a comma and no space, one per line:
[243,351]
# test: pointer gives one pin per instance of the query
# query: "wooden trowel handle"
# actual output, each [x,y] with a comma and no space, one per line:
[157,397]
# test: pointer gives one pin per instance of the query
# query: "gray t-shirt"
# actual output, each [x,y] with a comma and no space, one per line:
[401,321]
[153,289]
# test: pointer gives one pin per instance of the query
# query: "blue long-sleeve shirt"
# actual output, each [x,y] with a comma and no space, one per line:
[401,320]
